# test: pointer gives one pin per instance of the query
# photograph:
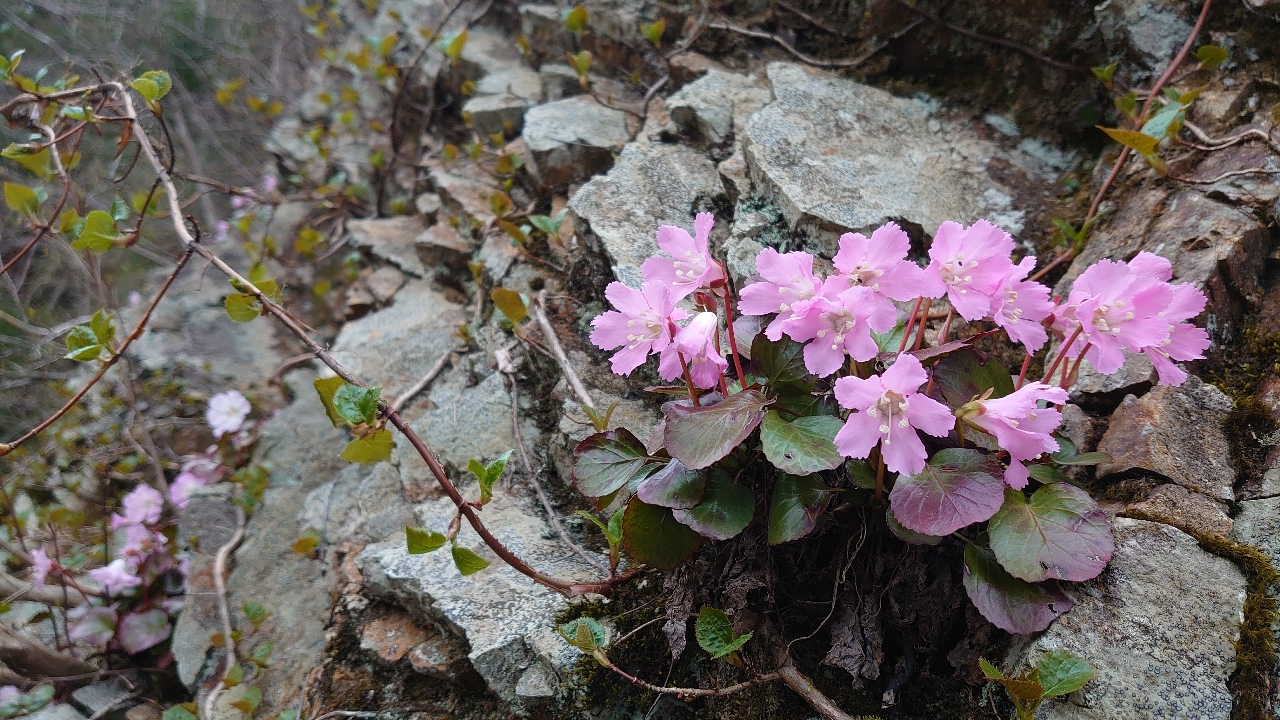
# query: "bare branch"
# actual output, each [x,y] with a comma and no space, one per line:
[33,659]
[224,614]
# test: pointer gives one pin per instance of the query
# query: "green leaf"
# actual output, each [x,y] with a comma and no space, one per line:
[1059,533]
[309,540]
[653,536]
[653,32]
[575,19]
[795,506]
[452,45]
[714,632]
[802,446]
[1166,122]
[33,700]
[356,404]
[249,700]
[674,486]
[581,63]
[1060,672]
[99,233]
[37,163]
[726,509]
[119,211]
[1211,56]
[584,633]
[262,653]
[609,536]
[607,461]
[1046,474]
[153,84]
[511,303]
[242,307]
[104,327]
[1139,142]
[234,676]
[178,712]
[254,612]
[1105,74]
[699,436]
[487,475]
[780,363]
[1089,458]
[82,344]
[906,534]
[468,562]
[372,448]
[422,540]
[1128,104]
[991,671]
[892,340]
[545,224]
[615,525]
[21,198]
[326,387]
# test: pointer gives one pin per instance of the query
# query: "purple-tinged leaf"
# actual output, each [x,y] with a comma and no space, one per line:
[699,436]
[905,534]
[97,625]
[961,377]
[724,512]
[958,487]
[1010,604]
[139,631]
[795,506]
[1059,533]
[674,486]
[652,536]
[606,461]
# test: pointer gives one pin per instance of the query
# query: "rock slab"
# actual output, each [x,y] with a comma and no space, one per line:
[1159,625]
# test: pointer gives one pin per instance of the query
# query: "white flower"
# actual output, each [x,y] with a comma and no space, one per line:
[227,411]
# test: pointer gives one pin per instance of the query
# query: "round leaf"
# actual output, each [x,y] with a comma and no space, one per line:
[468,562]
[714,632]
[674,486]
[1060,673]
[652,536]
[422,540]
[802,446]
[962,376]
[606,461]
[584,633]
[21,198]
[242,307]
[906,535]
[372,448]
[99,233]
[1010,604]
[1059,533]
[795,506]
[958,487]
[723,512]
[699,436]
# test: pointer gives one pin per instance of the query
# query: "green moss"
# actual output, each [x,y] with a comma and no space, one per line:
[1256,648]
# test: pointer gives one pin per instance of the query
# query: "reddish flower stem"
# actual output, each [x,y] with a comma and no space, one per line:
[923,317]
[911,319]
[1048,376]
[1022,374]
[728,321]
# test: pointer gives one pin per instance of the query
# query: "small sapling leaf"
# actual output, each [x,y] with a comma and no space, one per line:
[372,448]
[584,633]
[468,562]
[1106,73]
[488,474]
[178,712]
[307,542]
[98,234]
[575,19]
[421,540]
[82,344]
[249,700]
[326,388]
[714,632]
[254,613]
[21,198]
[653,32]
[1060,673]
[511,303]
[356,404]
[1211,56]
[242,307]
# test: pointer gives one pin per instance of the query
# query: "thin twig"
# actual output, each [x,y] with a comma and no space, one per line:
[809,59]
[570,375]
[796,680]
[224,614]
[1225,175]
[419,386]
[1024,49]
[696,692]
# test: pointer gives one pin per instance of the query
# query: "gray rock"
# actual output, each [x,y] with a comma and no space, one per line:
[740,257]
[1218,247]
[717,104]
[442,245]
[504,616]
[363,504]
[734,174]
[490,114]
[689,66]
[1258,523]
[1188,511]
[840,156]
[1094,390]
[204,525]
[104,699]
[55,711]
[384,283]
[559,81]
[391,239]
[488,51]
[541,24]
[572,139]
[395,346]
[516,80]
[427,204]
[1176,432]
[1147,32]
[464,187]
[650,185]
[1159,625]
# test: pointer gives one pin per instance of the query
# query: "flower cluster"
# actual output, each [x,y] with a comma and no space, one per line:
[1113,307]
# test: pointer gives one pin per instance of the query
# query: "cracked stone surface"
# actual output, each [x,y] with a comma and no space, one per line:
[573,139]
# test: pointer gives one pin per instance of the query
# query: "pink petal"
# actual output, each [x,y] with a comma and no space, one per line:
[903,451]
[929,415]
[822,358]
[857,393]
[1151,267]
[1016,475]
[702,224]
[860,433]
[905,376]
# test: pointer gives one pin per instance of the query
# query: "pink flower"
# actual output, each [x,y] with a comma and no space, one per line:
[839,323]
[968,266]
[1020,304]
[182,487]
[640,325]
[206,466]
[691,266]
[9,694]
[142,630]
[240,202]
[97,624]
[1116,308]
[270,183]
[143,504]
[1185,341]
[221,230]
[41,566]
[226,413]
[696,343]
[139,542]
[116,576]
[789,288]
[889,410]
[1021,426]
[880,263]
